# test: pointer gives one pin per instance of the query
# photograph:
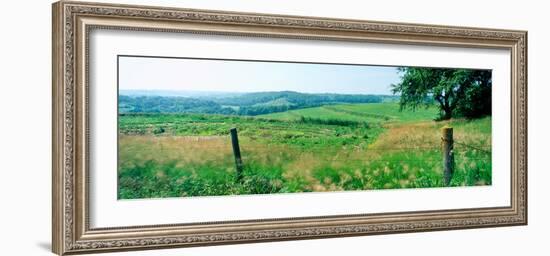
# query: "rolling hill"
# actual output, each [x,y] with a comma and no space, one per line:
[251,104]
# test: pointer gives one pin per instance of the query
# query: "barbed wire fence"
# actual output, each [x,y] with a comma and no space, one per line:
[448,149]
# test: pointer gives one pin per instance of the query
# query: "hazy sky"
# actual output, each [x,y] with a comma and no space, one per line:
[139,73]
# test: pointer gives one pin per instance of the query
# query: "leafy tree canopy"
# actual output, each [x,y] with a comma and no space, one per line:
[457,92]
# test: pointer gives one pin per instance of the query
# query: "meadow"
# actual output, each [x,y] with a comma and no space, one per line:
[333,147]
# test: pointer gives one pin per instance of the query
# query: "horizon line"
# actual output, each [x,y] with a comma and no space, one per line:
[302,92]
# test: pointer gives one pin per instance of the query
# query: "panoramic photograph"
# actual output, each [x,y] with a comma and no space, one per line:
[215,127]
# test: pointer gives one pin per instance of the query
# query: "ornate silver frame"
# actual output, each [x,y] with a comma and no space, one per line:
[72,22]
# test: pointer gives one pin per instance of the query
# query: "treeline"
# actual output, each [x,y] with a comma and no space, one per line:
[250,104]
[296,98]
[160,104]
[330,121]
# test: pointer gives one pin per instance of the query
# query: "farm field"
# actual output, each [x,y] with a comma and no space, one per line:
[333,147]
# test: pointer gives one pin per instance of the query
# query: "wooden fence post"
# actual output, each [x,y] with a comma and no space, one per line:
[237,153]
[448,155]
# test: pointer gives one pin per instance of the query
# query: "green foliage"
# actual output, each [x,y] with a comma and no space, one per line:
[158,130]
[327,148]
[339,122]
[370,113]
[458,92]
[302,132]
[296,98]
[154,179]
[250,104]
[475,99]
[161,104]
[405,169]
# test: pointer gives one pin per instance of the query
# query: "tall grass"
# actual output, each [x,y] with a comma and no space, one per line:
[191,155]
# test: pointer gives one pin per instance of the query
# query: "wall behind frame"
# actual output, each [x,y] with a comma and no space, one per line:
[25,130]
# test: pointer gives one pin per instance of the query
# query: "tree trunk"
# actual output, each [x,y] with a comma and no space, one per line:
[447,113]
[447,109]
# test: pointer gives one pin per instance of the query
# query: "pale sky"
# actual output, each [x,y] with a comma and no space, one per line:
[144,73]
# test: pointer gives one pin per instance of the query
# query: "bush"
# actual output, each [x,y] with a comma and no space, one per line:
[158,130]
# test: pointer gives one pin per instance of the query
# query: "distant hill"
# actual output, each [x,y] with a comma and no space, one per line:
[172,93]
[160,104]
[252,104]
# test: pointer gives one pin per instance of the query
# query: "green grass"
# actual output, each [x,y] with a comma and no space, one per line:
[369,112]
[390,112]
[299,132]
[328,148]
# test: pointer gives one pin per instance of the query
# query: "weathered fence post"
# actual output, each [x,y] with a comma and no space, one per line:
[448,155]
[237,153]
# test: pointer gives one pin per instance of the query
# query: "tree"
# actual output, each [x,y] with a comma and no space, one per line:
[457,92]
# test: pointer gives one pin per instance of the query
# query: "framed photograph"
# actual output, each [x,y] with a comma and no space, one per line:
[179,127]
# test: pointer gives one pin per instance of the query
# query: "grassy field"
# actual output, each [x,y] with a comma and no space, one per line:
[327,148]
[370,112]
